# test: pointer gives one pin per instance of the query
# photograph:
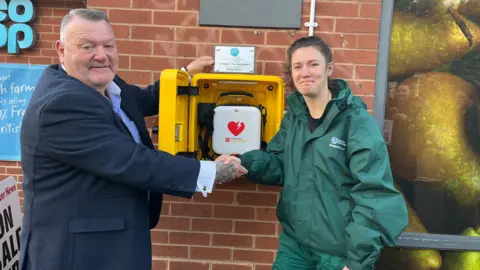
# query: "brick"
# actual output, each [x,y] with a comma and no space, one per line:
[170,198]
[232,240]
[135,77]
[175,18]
[267,187]
[217,196]
[124,62]
[43,28]
[266,214]
[40,60]
[43,12]
[266,242]
[355,56]
[362,87]
[365,72]
[253,256]
[165,208]
[49,37]
[343,71]
[11,170]
[271,53]
[207,35]
[263,267]
[247,227]
[8,163]
[369,100]
[121,31]
[159,236]
[357,26]
[339,40]
[131,16]
[283,38]
[187,238]
[234,212]
[188,4]
[177,265]
[205,49]
[109,3]
[134,47]
[173,223]
[50,20]
[369,10]
[191,210]
[250,37]
[273,68]
[239,184]
[367,42]
[59,12]
[159,264]
[344,9]
[16,59]
[152,33]
[170,251]
[151,63]
[219,266]
[154,4]
[212,225]
[257,199]
[174,49]
[205,253]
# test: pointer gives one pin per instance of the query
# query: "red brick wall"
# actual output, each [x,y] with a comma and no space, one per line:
[235,227]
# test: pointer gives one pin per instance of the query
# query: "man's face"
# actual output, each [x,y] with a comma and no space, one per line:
[89,52]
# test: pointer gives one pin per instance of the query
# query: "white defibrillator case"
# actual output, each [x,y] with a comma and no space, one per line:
[236,129]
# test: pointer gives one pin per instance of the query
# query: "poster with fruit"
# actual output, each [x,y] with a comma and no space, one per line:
[434,112]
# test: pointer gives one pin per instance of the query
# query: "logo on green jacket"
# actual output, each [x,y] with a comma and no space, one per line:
[337,143]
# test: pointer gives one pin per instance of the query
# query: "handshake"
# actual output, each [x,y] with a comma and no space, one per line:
[228,168]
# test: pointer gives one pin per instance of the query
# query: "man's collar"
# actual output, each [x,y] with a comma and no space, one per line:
[112,87]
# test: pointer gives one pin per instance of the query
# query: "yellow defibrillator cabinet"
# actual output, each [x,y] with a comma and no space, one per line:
[218,113]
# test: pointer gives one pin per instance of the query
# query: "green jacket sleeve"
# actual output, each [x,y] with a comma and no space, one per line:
[380,213]
[266,167]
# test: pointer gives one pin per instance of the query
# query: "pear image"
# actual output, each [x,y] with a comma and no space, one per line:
[441,123]
[471,8]
[407,258]
[420,44]
[464,260]
[426,7]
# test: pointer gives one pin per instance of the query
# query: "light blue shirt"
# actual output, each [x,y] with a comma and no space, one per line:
[206,177]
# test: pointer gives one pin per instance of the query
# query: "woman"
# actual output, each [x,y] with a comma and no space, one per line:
[338,206]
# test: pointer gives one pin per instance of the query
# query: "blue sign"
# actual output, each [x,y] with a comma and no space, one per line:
[17,83]
[9,36]
[234,52]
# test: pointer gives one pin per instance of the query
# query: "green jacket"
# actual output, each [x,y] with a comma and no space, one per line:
[338,195]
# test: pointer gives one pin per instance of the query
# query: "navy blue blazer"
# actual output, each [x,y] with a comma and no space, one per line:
[86,181]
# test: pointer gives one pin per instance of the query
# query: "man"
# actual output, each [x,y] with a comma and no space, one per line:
[93,182]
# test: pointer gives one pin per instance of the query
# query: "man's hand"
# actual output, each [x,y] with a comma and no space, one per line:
[199,65]
[228,159]
[227,171]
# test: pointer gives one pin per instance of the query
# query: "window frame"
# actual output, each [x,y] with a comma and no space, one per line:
[407,239]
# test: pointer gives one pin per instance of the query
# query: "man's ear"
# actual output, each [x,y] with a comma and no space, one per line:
[60,48]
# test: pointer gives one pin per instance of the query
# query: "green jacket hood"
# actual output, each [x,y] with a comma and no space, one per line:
[345,99]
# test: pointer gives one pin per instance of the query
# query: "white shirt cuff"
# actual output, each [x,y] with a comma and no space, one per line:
[206,177]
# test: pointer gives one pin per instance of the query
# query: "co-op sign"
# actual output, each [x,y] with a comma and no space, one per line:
[17,34]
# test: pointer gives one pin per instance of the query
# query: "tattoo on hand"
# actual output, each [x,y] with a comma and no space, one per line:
[225,172]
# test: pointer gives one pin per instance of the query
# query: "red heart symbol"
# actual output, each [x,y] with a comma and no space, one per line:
[236,127]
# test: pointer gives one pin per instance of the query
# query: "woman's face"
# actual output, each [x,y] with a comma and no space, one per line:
[310,71]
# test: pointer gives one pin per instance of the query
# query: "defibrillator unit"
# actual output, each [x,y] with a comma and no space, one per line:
[218,113]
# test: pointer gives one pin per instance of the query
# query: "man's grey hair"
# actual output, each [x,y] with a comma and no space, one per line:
[87,14]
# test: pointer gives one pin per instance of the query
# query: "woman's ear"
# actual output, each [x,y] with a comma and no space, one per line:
[329,69]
